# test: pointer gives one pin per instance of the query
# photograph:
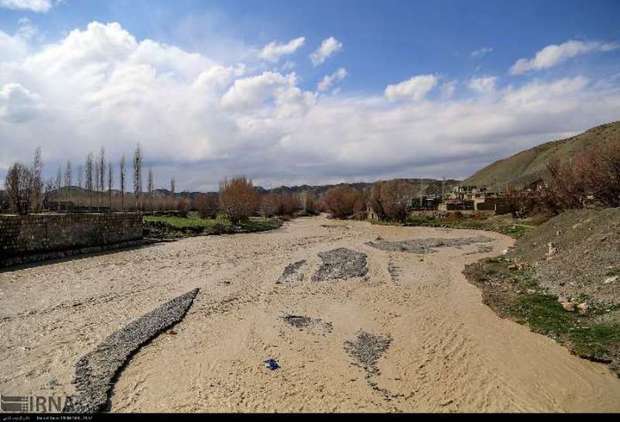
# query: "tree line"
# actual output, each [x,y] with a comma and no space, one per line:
[88,186]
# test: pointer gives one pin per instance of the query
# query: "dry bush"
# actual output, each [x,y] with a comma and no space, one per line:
[281,204]
[309,204]
[238,198]
[591,177]
[344,202]
[183,206]
[207,205]
[391,200]
[19,186]
[269,205]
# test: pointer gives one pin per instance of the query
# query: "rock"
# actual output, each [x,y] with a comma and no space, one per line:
[568,306]
[505,252]
[513,267]
[531,291]
[552,250]
[582,308]
[610,280]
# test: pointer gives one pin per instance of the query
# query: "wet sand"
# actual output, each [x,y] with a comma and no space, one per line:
[408,334]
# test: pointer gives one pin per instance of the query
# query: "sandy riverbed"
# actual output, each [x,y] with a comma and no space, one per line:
[409,335]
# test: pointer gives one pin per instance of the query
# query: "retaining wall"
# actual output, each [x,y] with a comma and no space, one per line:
[41,233]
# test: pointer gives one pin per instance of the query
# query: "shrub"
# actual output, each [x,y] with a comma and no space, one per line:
[183,206]
[238,199]
[309,204]
[343,201]
[207,205]
[391,200]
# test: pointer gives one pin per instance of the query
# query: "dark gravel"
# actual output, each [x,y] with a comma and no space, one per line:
[292,272]
[304,322]
[424,246]
[341,263]
[96,372]
[366,349]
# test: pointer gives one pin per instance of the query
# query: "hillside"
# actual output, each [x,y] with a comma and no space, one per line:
[527,166]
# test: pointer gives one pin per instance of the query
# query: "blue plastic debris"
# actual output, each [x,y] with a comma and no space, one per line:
[272,364]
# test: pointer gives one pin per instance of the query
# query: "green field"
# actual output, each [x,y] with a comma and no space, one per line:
[194,224]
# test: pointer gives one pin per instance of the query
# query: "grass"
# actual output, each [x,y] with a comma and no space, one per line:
[194,224]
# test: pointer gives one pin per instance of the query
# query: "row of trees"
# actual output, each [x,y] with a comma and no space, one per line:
[238,199]
[92,187]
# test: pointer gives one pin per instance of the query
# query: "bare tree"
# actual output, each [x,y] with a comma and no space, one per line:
[110,183]
[19,183]
[80,176]
[390,200]
[68,181]
[238,198]
[343,201]
[206,204]
[88,173]
[58,187]
[36,189]
[102,168]
[122,181]
[137,174]
[150,187]
[96,181]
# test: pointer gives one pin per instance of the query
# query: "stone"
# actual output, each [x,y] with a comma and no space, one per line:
[610,280]
[552,251]
[582,308]
[568,306]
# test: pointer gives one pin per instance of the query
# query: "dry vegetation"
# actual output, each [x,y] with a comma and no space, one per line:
[344,202]
[590,179]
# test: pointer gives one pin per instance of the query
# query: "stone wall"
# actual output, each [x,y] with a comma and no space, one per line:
[41,233]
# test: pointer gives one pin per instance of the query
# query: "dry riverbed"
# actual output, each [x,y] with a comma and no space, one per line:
[359,317]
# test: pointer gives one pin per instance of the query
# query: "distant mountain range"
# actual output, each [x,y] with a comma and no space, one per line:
[527,166]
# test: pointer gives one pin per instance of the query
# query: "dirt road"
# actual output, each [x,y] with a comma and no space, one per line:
[385,326]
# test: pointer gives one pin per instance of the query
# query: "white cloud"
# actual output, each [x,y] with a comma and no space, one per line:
[17,104]
[415,88]
[328,47]
[202,120]
[483,85]
[40,6]
[447,89]
[553,55]
[329,80]
[274,50]
[481,52]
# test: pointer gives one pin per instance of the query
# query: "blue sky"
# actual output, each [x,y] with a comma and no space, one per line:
[452,66]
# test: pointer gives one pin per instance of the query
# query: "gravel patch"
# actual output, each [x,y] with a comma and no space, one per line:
[304,322]
[96,372]
[425,246]
[292,272]
[341,263]
[366,349]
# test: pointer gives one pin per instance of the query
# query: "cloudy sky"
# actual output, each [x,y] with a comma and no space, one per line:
[291,92]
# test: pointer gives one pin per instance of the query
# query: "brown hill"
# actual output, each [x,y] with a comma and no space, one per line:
[529,165]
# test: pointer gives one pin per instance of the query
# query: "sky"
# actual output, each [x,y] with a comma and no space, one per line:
[292,92]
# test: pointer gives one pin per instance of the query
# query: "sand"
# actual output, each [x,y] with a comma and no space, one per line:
[409,334]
